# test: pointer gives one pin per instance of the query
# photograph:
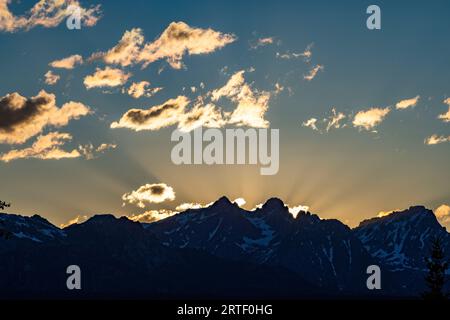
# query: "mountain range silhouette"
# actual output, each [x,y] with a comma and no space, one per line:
[221,251]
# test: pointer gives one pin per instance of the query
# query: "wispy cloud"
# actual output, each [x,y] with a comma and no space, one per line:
[435,139]
[334,121]
[313,72]
[45,13]
[262,42]
[51,78]
[90,152]
[22,118]
[446,116]
[46,147]
[369,119]
[306,55]
[149,193]
[311,123]
[141,89]
[407,103]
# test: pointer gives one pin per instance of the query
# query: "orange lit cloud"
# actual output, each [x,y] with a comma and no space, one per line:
[407,103]
[370,118]
[46,147]
[51,78]
[108,77]
[22,118]
[45,13]
[67,63]
[180,39]
[149,193]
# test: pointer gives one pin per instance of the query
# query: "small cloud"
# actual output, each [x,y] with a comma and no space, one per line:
[443,214]
[407,103]
[149,193]
[140,89]
[77,220]
[297,209]
[306,55]
[51,78]
[313,72]
[108,77]
[46,147]
[435,139]
[278,88]
[262,42]
[382,214]
[335,120]
[240,202]
[446,116]
[369,119]
[67,63]
[311,123]
[90,152]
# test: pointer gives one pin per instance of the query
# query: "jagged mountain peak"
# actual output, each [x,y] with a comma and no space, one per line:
[412,213]
[273,203]
[223,202]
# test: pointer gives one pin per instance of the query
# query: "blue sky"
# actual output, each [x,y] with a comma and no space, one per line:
[347,173]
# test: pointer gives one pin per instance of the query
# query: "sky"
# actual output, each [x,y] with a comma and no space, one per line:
[363,115]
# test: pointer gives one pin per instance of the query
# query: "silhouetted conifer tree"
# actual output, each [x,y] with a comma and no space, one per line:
[436,265]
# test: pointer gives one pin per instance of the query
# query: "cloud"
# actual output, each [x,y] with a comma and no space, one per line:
[47,14]
[250,108]
[407,103]
[149,193]
[22,118]
[78,219]
[251,103]
[370,118]
[180,39]
[382,214]
[108,77]
[90,152]
[313,72]
[278,88]
[207,116]
[240,202]
[152,216]
[297,209]
[46,147]
[335,120]
[157,117]
[125,52]
[262,42]
[67,63]
[443,214]
[51,78]
[306,55]
[446,116]
[435,139]
[140,89]
[311,123]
